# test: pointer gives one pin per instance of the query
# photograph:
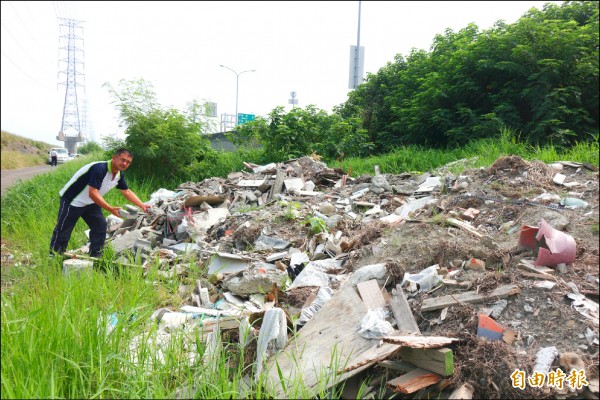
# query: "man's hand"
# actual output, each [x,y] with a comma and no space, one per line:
[145,207]
[115,211]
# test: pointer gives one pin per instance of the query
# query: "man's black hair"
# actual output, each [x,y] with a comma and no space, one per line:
[123,150]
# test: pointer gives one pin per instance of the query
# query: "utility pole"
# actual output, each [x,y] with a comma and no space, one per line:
[357,58]
[70,119]
[237,87]
[357,48]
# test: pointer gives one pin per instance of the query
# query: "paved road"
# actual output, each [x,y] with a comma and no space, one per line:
[10,176]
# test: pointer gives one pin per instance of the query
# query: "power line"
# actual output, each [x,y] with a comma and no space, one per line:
[23,72]
[22,48]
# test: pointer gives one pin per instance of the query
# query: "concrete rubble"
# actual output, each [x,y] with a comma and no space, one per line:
[308,248]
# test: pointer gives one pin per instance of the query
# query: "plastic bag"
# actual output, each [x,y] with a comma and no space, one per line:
[273,334]
[374,324]
[323,296]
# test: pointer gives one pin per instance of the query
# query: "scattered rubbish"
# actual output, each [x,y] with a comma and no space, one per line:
[423,281]
[559,179]
[368,272]
[475,264]
[498,307]
[371,294]
[259,257]
[572,202]
[77,267]
[419,342]
[413,381]
[228,263]
[272,336]
[489,328]
[322,297]
[472,297]
[405,210]
[547,285]
[583,305]
[544,359]
[374,325]
[556,246]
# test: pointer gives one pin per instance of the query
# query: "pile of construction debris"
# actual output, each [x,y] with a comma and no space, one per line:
[472,285]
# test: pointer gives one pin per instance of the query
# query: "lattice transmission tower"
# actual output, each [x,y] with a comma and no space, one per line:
[71,45]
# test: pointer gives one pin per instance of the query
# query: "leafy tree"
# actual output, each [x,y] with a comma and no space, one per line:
[538,76]
[89,147]
[301,132]
[165,142]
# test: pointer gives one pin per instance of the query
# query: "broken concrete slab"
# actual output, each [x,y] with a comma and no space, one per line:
[228,263]
[405,210]
[126,241]
[264,242]
[250,281]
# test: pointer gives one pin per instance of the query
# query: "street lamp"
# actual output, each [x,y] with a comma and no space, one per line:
[237,88]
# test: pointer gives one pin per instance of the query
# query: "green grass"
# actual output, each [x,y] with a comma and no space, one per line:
[480,153]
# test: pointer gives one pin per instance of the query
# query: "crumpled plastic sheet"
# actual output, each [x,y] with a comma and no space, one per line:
[323,295]
[422,281]
[272,336]
[374,324]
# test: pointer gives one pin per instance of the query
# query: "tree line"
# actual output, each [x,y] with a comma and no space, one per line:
[537,77]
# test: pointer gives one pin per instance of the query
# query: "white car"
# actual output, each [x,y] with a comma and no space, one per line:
[62,155]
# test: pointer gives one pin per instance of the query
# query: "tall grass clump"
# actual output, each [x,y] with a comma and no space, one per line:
[478,153]
[55,341]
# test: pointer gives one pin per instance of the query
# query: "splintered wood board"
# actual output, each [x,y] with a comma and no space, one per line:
[414,380]
[437,303]
[419,342]
[402,311]
[370,356]
[327,341]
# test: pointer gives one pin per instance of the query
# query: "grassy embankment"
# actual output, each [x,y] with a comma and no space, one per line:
[53,344]
[13,155]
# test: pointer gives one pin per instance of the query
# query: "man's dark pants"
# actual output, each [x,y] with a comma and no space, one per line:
[67,218]
[54,161]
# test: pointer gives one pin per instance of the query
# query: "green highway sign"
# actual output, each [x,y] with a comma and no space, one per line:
[243,118]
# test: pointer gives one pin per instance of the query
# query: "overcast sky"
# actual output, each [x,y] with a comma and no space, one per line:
[178,47]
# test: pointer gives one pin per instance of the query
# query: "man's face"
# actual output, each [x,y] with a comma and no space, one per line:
[121,161]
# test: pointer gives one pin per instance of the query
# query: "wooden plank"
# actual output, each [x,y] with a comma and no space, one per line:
[419,342]
[463,225]
[371,294]
[537,276]
[464,391]
[413,381]
[529,266]
[371,355]
[322,346]
[440,361]
[472,297]
[397,365]
[402,311]
[278,184]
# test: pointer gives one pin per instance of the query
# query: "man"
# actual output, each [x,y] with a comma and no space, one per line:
[82,197]
[54,158]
